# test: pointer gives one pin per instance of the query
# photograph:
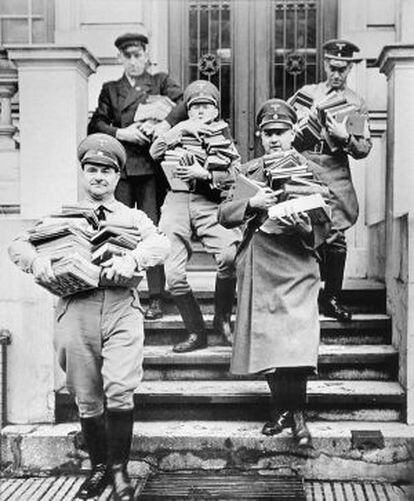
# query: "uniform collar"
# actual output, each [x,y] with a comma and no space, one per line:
[109,205]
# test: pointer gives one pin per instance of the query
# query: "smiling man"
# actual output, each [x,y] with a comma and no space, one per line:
[99,333]
[332,165]
[141,185]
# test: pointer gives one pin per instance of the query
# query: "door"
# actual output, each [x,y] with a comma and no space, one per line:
[253,50]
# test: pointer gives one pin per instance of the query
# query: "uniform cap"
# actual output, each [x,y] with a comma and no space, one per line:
[127,39]
[340,50]
[102,149]
[276,114]
[201,91]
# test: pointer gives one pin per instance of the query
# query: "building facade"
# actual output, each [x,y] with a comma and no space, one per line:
[59,52]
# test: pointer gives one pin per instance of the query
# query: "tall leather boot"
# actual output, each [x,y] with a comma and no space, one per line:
[280,407]
[331,307]
[119,433]
[194,323]
[300,430]
[94,435]
[223,304]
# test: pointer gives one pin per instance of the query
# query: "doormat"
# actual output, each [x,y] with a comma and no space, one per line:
[202,486]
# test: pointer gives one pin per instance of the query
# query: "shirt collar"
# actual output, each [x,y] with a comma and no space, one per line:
[109,205]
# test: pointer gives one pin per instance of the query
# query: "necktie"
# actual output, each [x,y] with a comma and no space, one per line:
[100,213]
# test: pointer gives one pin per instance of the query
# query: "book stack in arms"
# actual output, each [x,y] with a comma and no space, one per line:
[212,149]
[155,109]
[69,248]
[114,240]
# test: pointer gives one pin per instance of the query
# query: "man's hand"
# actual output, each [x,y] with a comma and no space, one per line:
[337,130]
[42,270]
[119,268]
[132,134]
[264,199]
[192,171]
[297,221]
[193,127]
[160,129]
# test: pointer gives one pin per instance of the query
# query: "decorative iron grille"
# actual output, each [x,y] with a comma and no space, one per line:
[296,45]
[210,47]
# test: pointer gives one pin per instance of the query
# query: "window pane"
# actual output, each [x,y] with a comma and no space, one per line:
[15,31]
[16,7]
[38,7]
[193,34]
[39,31]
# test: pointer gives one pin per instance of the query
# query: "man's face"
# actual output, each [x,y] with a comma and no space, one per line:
[99,181]
[205,112]
[336,74]
[276,139]
[134,59]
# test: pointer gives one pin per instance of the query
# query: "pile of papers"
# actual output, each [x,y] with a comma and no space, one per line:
[212,149]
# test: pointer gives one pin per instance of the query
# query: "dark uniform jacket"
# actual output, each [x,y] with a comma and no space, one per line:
[117,104]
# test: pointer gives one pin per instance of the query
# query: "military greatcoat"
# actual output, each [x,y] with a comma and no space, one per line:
[277,322]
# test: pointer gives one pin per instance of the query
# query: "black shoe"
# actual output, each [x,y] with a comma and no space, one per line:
[193,342]
[95,484]
[280,421]
[123,490]
[223,304]
[332,308]
[300,431]
[193,321]
[154,311]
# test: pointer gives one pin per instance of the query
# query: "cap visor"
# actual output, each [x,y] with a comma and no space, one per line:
[276,126]
[202,100]
[99,160]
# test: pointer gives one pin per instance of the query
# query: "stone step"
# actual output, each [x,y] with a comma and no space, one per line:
[365,328]
[367,362]
[224,447]
[330,400]
[360,295]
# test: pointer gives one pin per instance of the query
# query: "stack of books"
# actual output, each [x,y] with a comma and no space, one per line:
[155,109]
[113,240]
[212,149]
[312,126]
[69,248]
[284,166]
[80,216]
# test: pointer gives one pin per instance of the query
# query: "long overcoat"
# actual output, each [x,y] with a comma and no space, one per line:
[277,322]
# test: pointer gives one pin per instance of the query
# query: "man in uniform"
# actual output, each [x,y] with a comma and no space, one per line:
[99,333]
[185,212]
[333,168]
[141,184]
[277,322]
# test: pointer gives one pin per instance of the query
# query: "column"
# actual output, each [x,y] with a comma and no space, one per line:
[53,94]
[397,63]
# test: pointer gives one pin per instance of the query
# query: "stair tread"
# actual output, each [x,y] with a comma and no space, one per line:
[243,388]
[174,321]
[163,355]
[177,429]
[204,281]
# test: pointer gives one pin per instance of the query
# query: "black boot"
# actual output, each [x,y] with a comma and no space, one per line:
[94,435]
[154,311]
[194,323]
[223,304]
[331,307]
[280,414]
[300,430]
[119,433]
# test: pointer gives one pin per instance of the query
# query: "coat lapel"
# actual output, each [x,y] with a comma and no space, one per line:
[131,95]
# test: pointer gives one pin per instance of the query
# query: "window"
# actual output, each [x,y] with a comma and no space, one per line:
[26,21]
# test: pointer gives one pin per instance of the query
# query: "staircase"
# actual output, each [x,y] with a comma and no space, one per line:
[192,414]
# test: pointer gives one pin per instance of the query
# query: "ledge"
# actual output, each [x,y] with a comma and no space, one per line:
[53,55]
[393,54]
